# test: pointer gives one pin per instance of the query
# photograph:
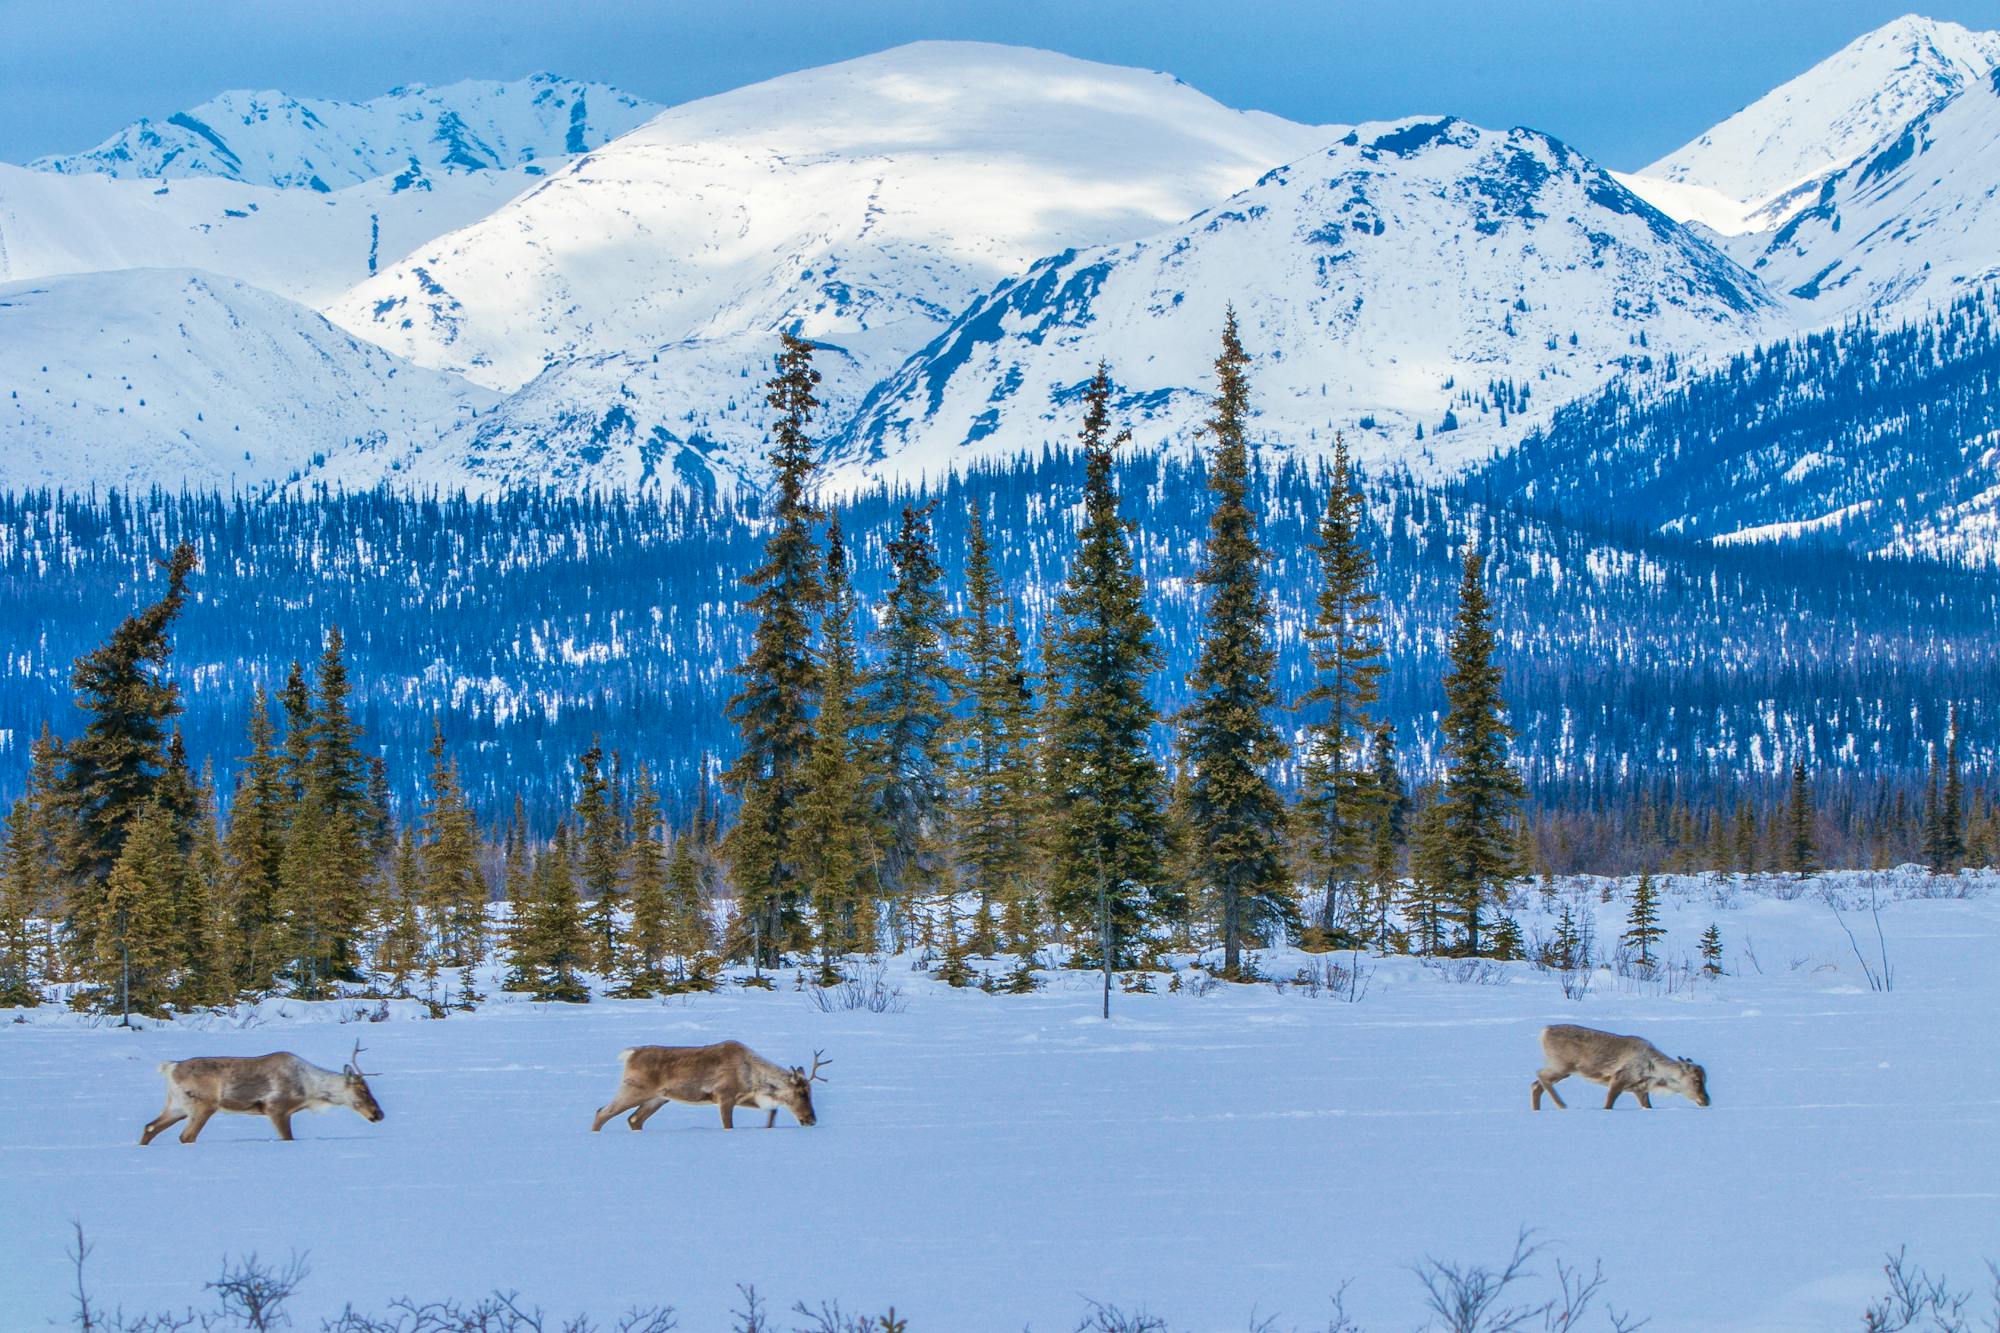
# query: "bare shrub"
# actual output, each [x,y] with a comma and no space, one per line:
[868,990]
[1111,1319]
[830,1318]
[1322,975]
[1917,1301]
[1467,971]
[1472,1298]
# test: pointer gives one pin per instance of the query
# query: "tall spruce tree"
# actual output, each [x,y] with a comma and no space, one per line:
[836,823]
[1235,816]
[550,943]
[328,875]
[773,706]
[600,847]
[1339,799]
[253,854]
[907,719]
[646,885]
[996,784]
[1386,829]
[1800,845]
[138,950]
[1107,828]
[1482,791]
[454,889]
[29,863]
[1947,833]
[110,771]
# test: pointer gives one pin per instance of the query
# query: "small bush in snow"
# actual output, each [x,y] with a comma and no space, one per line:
[869,990]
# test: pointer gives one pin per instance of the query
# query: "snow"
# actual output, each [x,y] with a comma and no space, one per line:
[300,244]
[1392,276]
[987,1162]
[1848,106]
[312,143]
[159,376]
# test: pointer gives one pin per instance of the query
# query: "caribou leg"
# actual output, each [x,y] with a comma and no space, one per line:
[164,1121]
[196,1119]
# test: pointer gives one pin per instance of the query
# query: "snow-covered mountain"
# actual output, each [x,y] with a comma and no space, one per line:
[1770,156]
[862,204]
[1421,280]
[300,244]
[270,138]
[1915,222]
[169,376]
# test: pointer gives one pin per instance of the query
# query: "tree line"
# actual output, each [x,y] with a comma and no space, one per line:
[904,776]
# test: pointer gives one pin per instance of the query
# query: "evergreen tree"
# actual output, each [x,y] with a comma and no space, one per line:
[1386,828]
[1801,852]
[327,875]
[646,944]
[28,869]
[551,945]
[996,760]
[1339,798]
[600,850]
[836,850]
[1228,744]
[138,948]
[1481,788]
[203,916]
[1107,827]
[1566,952]
[907,718]
[454,889]
[1711,951]
[1948,838]
[688,933]
[773,707]
[253,856]
[1434,881]
[1642,923]
[110,771]
[405,949]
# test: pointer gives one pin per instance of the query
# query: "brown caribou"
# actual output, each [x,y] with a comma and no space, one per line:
[727,1075]
[1621,1064]
[278,1085]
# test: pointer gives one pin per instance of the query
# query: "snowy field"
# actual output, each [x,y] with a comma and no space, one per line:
[994,1162]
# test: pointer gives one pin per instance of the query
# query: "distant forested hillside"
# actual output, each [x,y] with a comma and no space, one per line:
[532,623]
[1874,437]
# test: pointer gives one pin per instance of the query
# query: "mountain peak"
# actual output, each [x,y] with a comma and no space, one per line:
[1850,104]
[269,137]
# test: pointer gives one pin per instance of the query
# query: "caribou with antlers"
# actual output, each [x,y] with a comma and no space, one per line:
[727,1075]
[278,1085]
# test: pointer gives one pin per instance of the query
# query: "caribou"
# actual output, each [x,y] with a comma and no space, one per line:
[1621,1064]
[278,1085]
[728,1075]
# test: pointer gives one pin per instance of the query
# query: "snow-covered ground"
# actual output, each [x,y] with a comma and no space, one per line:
[989,1162]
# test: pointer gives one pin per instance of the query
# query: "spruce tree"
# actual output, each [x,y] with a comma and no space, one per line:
[1481,790]
[907,719]
[1386,828]
[1711,951]
[1435,885]
[1228,744]
[454,889]
[1642,923]
[1949,852]
[110,771]
[1107,826]
[1338,797]
[1801,853]
[551,946]
[405,948]
[773,705]
[996,786]
[689,935]
[328,874]
[138,949]
[203,911]
[600,839]
[253,855]
[29,864]
[646,884]
[836,849]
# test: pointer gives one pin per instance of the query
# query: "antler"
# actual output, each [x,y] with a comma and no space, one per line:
[818,1063]
[354,1060]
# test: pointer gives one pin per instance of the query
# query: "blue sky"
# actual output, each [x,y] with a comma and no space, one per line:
[1625,80]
